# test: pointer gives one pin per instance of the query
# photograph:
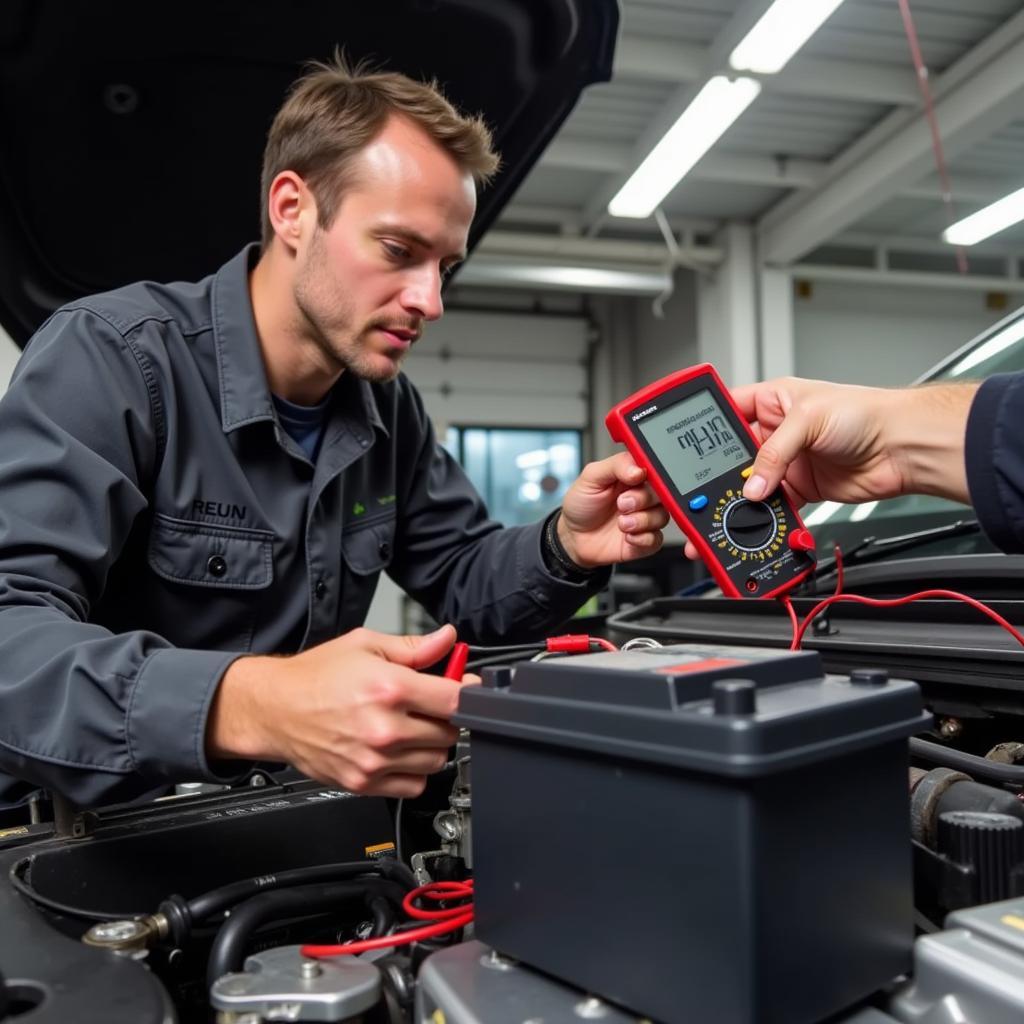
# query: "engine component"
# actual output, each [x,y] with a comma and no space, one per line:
[699,764]
[228,948]
[454,826]
[281,984]
[944,790]
[992,845]
[472,984]
[970,971]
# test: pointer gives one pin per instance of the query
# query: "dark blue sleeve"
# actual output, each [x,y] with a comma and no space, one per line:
[994,452]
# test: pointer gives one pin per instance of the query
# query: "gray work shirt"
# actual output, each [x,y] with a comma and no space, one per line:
[155,521]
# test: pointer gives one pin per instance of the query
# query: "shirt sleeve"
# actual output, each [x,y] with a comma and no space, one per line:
[490,581]
[94,715]
[994,452]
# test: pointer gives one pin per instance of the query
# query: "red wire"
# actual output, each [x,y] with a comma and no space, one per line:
[576,643]
[444,920]
[894,602]
[933,125]
[787,602]
[437,891]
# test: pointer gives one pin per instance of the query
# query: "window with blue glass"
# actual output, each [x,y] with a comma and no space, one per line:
[521,473]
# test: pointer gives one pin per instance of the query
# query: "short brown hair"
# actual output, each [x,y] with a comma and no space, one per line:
[335,110]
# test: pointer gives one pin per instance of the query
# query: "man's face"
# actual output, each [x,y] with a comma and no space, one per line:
[366,285]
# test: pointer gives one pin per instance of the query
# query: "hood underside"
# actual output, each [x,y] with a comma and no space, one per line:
[133,136]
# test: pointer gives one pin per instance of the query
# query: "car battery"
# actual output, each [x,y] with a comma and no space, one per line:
[696,832]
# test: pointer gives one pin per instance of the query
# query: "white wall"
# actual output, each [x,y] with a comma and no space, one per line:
[664,345]
[883,335]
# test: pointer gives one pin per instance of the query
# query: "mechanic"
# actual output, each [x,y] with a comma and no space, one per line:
[202,483]
[847,443]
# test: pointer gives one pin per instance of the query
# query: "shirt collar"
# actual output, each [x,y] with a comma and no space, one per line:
[244,392]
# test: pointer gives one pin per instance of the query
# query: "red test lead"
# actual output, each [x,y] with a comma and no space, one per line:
[457,662]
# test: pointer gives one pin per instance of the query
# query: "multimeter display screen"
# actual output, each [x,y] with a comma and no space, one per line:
[694,440]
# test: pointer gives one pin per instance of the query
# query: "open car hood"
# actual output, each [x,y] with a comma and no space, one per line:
[133,136]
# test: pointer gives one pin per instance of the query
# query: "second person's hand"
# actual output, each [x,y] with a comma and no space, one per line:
[846,443]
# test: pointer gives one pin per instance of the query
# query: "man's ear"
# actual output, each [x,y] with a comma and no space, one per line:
[290,206]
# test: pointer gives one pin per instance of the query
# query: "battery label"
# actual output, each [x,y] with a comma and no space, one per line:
[705,665]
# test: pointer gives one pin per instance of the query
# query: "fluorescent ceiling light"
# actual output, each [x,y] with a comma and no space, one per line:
[1001,214]
[1004,339]
[698,128]
[782,30]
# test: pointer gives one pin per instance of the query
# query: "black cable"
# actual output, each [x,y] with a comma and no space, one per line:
[500,659]
[218,900]
[971,764]
[20,884]
[538,645]
[384,916]
[228,951]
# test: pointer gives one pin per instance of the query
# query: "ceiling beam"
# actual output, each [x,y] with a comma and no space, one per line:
[644,58]
[908,278]
[523,243]
[776,172]
[567,219]
[580,155]
[980,94]
[991,248]
[656,60]
[966,188]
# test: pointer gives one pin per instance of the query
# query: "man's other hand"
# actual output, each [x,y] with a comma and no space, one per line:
[610,514]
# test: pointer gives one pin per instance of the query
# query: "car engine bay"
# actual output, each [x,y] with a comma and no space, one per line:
[697,823]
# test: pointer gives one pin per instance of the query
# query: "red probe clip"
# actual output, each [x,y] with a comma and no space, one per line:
[457,662]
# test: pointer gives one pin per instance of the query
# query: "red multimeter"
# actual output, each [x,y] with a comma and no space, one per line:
[697,449]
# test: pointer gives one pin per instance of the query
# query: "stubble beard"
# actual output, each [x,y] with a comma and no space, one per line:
[332,331]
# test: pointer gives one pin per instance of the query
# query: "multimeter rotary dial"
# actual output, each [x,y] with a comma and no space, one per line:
[749,525]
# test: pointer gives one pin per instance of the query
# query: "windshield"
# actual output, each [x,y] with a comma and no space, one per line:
[998,350]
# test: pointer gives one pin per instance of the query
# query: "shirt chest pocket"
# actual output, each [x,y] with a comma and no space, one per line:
[368,547]
[202,555]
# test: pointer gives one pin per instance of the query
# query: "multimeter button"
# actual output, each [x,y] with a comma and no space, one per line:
[744,473]
[801,540]
[696,504]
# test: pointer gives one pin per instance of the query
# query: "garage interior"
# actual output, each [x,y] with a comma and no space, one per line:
[679,815]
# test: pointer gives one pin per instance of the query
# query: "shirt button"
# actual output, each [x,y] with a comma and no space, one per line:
[320,589]
[216,566]
[384,549]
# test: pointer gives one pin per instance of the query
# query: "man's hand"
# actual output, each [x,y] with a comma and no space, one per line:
[354,711]
[610,515]
[837,442]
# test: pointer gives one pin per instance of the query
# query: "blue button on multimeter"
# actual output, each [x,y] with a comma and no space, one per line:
[696,504]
